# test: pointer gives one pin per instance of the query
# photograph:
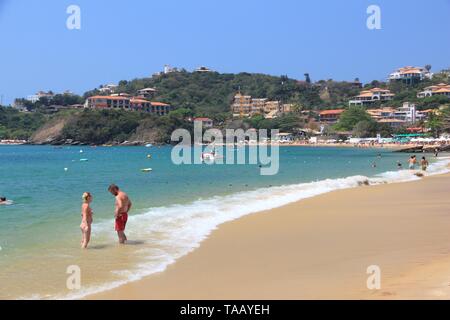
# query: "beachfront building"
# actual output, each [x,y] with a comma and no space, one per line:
[393,123]
[330,116]
[439,89]
[409,113]
[410,75]
[127,103]
[259,105]
[206,122]
[367,97]
[242,105]
[246,106]
[108,102]
[159,108]
[405,115]
[381,113]
[283,137]
[271,106]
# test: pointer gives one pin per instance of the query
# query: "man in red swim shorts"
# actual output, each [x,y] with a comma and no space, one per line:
[123,206]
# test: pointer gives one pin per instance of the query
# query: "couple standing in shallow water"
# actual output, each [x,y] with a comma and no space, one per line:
[123,206]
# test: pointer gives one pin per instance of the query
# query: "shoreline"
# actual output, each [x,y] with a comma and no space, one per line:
[321,253]
[394,147]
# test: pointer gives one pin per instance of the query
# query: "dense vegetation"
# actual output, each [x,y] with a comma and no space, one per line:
[210,95]
[17,125]
[106,126]
[357,121]
[101,126]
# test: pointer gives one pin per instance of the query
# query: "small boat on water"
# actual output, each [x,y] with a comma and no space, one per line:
[210,156]
[149,145]
[147,170]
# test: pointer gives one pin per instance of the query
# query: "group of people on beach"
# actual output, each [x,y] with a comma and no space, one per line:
[122,208]
[412,162]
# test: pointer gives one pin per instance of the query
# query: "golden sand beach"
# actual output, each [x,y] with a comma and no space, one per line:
[320,248]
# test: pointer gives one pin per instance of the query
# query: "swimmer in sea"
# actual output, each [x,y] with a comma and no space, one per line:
[424,164]
[5,202]
[412,162]
[123,206]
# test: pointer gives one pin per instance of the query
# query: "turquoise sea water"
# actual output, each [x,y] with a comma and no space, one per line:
[175,207]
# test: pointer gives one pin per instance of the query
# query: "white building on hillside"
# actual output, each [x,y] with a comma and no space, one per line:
[410,74]
[370,96]
[108,88]
[41,94]
[439,89]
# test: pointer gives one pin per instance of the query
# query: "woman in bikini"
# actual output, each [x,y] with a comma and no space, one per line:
[86,219]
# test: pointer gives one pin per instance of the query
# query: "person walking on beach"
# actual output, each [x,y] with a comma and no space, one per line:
[86,220]
[123,206]
[424,164]
[436,152]
[412,162]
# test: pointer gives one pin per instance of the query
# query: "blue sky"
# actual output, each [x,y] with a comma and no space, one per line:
[135,38]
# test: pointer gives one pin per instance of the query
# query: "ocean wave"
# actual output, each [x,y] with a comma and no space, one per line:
[175,231]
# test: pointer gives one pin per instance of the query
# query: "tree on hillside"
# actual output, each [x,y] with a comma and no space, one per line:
[433,102]
[307,78]
[436,124]
[18,125]
[351,117]
[365,129]
[181,113]
[439,122]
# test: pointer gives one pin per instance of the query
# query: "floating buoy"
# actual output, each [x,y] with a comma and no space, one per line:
[84,160]
[66,169]
[81,151]
[149,156]
[147,170]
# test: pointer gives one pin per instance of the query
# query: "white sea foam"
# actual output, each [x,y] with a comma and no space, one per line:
[174,231]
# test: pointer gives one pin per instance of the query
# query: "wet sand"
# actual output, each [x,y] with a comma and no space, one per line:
[320,248]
